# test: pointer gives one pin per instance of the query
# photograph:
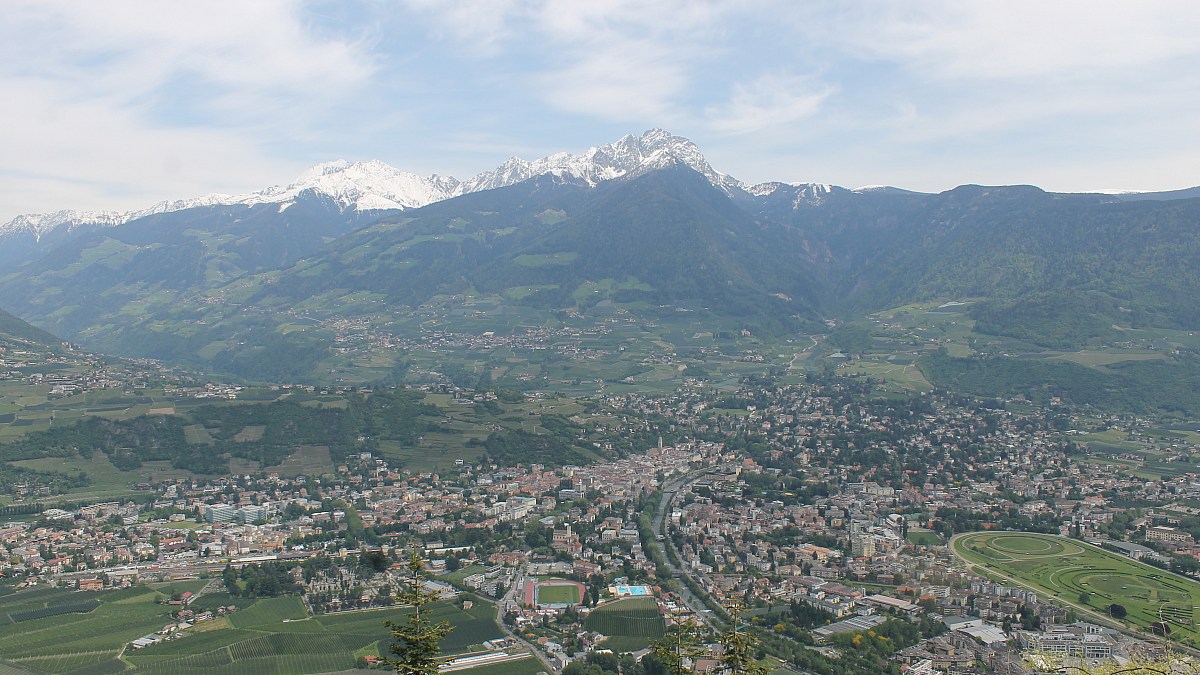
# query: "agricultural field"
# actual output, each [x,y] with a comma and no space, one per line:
[615,341]
[58,630]
[632,622]
[107,481]
[55,630]
[270,610]
[894,348]
[1087,577]
[459,427]
[33,409]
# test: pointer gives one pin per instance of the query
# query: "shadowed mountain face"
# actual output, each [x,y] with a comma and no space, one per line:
[220,284]
[163,258]
[667,237]
[13,329]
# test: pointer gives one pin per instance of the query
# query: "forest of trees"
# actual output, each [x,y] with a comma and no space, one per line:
[1168,385]
[397,415]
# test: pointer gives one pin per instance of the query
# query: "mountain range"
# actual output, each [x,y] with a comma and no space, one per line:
[375,186]
[645,224]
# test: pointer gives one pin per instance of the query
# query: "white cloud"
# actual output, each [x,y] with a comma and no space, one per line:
[619,60]
[88,154]
[122,103]
[770,102]
[1020,38]
[264,44]
[629,61]
[115,103]
[626,82]
[479,26]
[936,93]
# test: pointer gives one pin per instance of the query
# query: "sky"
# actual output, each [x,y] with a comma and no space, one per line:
[119,105]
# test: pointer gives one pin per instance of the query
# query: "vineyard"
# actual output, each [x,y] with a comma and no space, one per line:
[73,608]
[63,663]
[26,605]
[53,630]
[635,621]
[194,644]
[59,630]
[269,638]
[269,610]
[211,601]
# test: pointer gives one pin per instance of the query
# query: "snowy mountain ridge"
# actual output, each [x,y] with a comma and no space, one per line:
[376,186]
[39,224]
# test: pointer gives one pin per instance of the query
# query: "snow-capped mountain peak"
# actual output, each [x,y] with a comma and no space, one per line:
[365,186]
[323,169]
[374,186]
[630,156]
[39,224]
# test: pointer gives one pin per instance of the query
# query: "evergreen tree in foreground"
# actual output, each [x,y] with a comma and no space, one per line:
[738,647]
[679,648]
[417,640]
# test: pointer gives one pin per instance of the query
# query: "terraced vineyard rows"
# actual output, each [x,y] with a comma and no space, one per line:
[635,621]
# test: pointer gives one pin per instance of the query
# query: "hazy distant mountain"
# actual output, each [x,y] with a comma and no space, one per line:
[1186,193]
[375,186]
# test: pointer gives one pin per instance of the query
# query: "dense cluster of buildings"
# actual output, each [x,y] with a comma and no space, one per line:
[810,495]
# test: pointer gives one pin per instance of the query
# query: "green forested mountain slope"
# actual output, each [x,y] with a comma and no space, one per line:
[1008,243]
[248,289]
[136,270]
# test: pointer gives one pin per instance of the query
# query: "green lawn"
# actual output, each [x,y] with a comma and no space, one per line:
[456,577]
[1068,570]
[621,644]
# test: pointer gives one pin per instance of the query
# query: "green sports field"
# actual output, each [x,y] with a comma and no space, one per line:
[1065,569]
[565,594]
